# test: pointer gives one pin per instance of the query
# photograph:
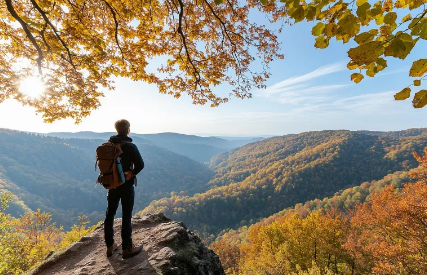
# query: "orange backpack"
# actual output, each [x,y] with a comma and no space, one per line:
[106,155]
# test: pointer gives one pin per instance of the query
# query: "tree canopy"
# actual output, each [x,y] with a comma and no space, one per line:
[77,46]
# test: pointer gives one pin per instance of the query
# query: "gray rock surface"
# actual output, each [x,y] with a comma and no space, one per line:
[168,248]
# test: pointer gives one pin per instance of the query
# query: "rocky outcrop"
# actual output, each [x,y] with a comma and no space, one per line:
[169,248]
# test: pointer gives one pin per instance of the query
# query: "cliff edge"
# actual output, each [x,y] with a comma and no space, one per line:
[169,248]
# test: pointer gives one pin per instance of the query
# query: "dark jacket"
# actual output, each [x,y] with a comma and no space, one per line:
[130,155]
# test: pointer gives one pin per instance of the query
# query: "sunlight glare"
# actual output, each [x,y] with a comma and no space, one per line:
[32,87]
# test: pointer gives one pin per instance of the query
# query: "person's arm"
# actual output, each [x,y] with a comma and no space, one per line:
[137,160]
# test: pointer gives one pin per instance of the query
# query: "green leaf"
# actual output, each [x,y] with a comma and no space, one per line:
[311,13]
[361,10]
[402,95]
[399,47]
[417,82]
[419,28]
[420,99]
[298,14]
[321,42]
[377,9]
[381,64]
[264,2]
[356,77]
[219,2]
[390,18]
[418,68]
[364,37]
[366,53]
[318,29]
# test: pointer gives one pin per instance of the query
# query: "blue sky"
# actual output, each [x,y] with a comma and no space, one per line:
[309,90]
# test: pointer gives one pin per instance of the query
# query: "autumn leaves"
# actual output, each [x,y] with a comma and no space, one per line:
[389,38]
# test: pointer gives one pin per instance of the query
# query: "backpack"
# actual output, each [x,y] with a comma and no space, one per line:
[106,155]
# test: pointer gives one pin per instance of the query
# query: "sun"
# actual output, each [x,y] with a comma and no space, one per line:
[32,87]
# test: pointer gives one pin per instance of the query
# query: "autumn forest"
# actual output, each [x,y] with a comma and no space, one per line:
[319,202]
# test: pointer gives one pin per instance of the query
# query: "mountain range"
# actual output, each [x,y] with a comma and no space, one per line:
[209,186]
[195,147]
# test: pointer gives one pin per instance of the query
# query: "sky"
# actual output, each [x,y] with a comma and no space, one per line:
[309,90]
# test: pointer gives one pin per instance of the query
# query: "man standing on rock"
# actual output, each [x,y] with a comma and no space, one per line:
[125,193]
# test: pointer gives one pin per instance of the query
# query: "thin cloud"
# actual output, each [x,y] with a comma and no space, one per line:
[325,70]
[310,95]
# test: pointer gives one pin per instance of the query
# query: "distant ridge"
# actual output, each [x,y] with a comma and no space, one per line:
[196,147]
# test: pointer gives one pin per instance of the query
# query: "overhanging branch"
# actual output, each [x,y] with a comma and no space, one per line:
[28,33]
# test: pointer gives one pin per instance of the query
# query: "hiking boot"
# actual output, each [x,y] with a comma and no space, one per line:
[111,249]
[132,251]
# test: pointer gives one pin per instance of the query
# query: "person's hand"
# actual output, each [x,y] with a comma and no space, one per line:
[128,175]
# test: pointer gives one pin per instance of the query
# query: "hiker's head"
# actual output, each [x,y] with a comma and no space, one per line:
[122,127]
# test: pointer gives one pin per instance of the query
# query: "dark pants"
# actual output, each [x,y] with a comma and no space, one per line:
[126,193]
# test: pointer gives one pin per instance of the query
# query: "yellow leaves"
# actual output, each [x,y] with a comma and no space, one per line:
[356,77]
[381,64]
[318,29]
[218,2]
[298,13]
[351,65]
[419,68]
[347,27]
[420,99]
[402,95]
[361,2]
[385,30]
[406,18]
[400,47]
[417,82]
[322,42]
[364,37]
[390,18]
[419,27]
[361,10]
[399,4]
[330,29]
[311,13]
[415,4]
[388,5]
[377,9]
[366,53]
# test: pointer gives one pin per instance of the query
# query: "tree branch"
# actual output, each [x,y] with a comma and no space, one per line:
[181,14]
[116,35]
[27,32]
[43,14]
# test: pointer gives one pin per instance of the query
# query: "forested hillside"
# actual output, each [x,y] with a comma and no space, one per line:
[344,201]
[262,178]
[375,228]
[58,176]
[196,147]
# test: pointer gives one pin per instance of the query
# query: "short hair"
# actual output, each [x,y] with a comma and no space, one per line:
[122,126]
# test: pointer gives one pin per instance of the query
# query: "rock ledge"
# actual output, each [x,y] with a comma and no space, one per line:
[169,248]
